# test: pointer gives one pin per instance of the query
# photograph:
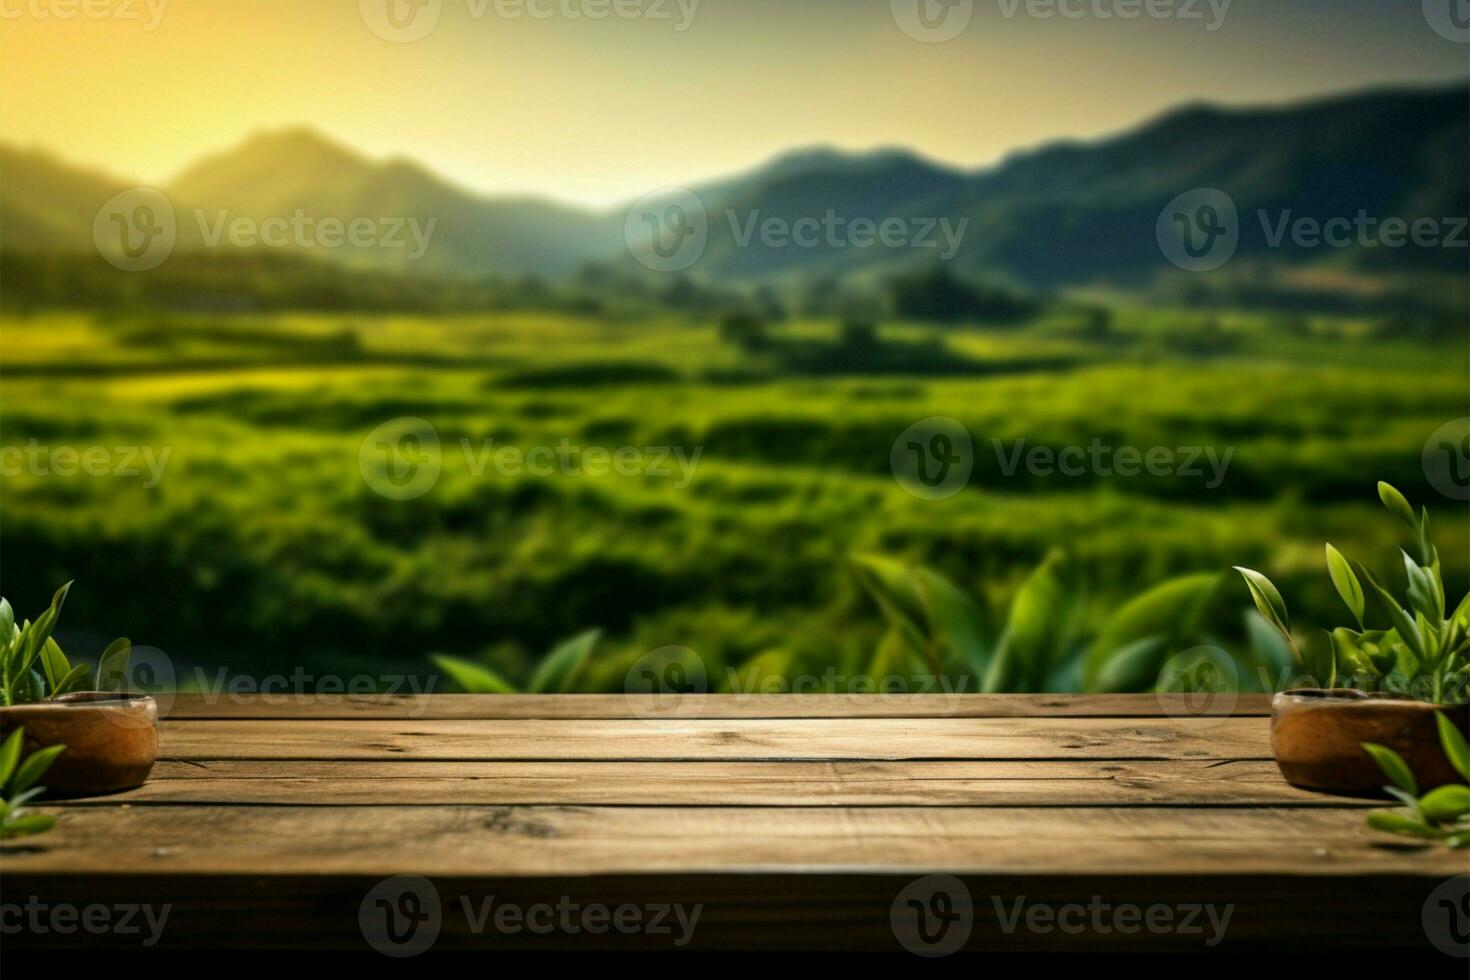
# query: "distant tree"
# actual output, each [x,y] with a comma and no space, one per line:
[941,297]
[859,335]
[745,330]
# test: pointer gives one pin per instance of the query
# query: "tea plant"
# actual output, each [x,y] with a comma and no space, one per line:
[1044,643]
[33,668]
[18,786]
[1442,814]
[1413,649]
[559,673]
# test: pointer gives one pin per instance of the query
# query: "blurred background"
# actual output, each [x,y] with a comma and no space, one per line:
[338,335]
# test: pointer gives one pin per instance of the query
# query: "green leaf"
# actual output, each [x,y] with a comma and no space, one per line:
[1170,610]
[563,666]
[34,767]
[1446,804]
[1346,583]
[1394,767]
[1396,823]
[1267,599]
[1132,667]
[7,620]
[957,624]
[53,664]
[112,667]
[1043,612]
[472,678]
[894,590]
[36,823]
[764,673]
[10,756]
[1398,505]
[1424,596]
[75,680]
[1455,745]
[1403,624]
[40,631]
[893,656]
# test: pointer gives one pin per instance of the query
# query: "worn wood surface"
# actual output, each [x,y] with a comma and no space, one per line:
[791,822]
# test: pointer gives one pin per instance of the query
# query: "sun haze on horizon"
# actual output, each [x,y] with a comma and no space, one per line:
[598,111]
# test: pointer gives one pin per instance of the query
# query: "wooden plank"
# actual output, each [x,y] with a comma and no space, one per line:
[729,739]
[514,841]
[607,706]
[413,783]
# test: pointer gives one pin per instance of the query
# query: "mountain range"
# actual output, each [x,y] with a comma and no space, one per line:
[1065,214]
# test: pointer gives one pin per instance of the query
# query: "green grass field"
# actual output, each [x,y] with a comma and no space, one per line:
[263,547]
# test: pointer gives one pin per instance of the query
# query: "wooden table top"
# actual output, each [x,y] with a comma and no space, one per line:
[827,822]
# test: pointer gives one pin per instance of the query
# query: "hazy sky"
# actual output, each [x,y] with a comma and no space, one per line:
[599,110]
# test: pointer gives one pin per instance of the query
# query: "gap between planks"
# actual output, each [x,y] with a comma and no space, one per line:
[292,707]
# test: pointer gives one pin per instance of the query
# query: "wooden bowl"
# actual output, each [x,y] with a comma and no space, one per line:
[1317,736]
[111,739]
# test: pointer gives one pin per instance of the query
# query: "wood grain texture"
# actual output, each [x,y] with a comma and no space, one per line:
[268,706]
[793,822]
[515,841]
[727,739]
[767,784]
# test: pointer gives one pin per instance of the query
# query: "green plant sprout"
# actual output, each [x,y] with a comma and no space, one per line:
[1412,649]
[33,668]
[1043,644]
[1442,814]
[18,786]
[558,673]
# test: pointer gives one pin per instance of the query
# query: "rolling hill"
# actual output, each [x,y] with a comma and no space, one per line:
[1061,215]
